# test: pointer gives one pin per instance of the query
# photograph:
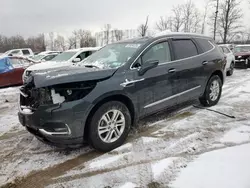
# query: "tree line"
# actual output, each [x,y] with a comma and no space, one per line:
[222,17]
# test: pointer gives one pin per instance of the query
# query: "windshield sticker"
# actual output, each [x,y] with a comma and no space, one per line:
[132,46]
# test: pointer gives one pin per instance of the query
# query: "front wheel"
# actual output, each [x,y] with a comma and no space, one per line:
[109,126]
[212,92]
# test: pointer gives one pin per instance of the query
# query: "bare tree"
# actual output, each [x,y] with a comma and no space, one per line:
[143,28]
[229,19]
[196,22]
[177,18]
[118,34]
[162,24]
[60,43]
[88,40]
[107,28]
[204,18]
[52,40]
[188,15]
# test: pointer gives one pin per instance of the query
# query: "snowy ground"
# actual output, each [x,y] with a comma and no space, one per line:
[191,148]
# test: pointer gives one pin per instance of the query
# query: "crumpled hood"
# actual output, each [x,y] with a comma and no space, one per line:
[69,74]
[48,65]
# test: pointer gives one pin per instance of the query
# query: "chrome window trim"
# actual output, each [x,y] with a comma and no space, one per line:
[171,97]
[131,66]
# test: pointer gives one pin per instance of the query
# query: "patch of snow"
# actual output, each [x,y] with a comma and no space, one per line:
[56,97]
[124,147]
[57,76]
[104,162]
[225,168]
[27,110]
[159,167]
[237,135]
[149,139]
[128,185]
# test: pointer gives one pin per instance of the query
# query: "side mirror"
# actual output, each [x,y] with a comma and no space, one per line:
[150,64]
[76,60]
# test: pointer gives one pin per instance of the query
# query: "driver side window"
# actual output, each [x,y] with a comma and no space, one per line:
[158,52]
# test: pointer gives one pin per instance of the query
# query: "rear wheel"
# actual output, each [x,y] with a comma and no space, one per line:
[109,126]
[231,70]
[213,91]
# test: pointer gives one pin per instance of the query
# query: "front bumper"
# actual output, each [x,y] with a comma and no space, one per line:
[60,124]
[242,63]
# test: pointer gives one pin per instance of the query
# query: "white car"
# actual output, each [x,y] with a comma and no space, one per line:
[230,59]
[24,52]
[64,59]
[44,57]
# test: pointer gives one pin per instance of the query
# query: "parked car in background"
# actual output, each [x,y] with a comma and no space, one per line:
[11,70]
[99,99]
[49,52]
[242,56]
[230,59]
[25,52]
[44,57]
[230,46]
[66,58]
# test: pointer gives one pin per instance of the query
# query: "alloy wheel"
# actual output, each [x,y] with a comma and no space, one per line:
[111,126]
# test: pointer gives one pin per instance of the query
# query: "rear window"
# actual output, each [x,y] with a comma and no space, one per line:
[184,48]
[204,44]
[26,52]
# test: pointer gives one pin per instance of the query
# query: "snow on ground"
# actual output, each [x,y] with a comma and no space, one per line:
[225,168]
[166,150]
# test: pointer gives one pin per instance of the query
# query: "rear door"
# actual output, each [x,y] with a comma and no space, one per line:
[187,68]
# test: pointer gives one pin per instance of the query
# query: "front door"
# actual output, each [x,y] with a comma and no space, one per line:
[155,88]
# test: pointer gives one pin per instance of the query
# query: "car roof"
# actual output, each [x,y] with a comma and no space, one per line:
[84,49]
[164,35]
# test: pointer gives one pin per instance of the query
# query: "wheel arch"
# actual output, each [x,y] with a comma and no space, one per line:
[111,97]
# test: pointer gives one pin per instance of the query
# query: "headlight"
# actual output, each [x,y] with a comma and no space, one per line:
[71,91]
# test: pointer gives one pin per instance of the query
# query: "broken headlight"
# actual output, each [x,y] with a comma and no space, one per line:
[71,91]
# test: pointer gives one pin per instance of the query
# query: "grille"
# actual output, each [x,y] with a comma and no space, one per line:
[33,98]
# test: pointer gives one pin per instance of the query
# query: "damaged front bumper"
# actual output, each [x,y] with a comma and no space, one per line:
[59,124]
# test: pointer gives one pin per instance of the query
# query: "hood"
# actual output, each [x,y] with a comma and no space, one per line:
[241,53]
[48,65]
[69,74]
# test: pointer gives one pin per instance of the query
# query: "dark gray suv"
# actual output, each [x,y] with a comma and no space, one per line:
[98,100]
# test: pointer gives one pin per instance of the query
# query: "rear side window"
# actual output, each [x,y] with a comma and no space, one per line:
[184,48]
[204,44]
[26,52]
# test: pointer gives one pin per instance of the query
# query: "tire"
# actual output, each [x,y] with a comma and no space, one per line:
[98,133]
[207,99]
[231,70]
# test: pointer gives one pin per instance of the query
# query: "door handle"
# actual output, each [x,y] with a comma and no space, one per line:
[204,62]
[172,70]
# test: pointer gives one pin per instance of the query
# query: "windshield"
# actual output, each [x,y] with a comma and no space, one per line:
[242,49]
[65,56]
[112,55]
[37,57]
